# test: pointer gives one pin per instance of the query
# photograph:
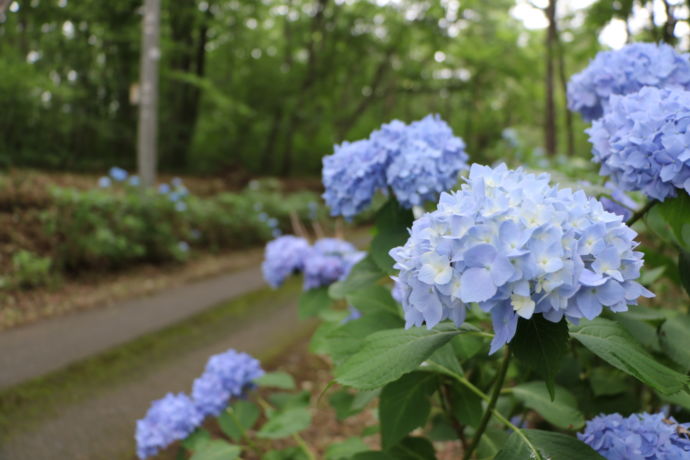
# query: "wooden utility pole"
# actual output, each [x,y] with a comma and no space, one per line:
[148,93]
[550,109]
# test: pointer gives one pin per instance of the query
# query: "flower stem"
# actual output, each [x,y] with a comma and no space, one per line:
[303,445]
[640,213]
[243,432]
[484,422]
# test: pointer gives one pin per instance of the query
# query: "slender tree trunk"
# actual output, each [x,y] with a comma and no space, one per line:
[667,31]
[148,102]
[550,141]
[568,115]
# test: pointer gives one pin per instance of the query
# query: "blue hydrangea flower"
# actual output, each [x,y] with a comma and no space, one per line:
[428,162]
[284,256]
[619,202]
[117,174]
[134,181]
[643,141]
[164,189]
[415,161]
[104,182]
[626,71]
[329,260]
[168,420]
[209,395]
[352,175]
[516,246]
[236,371]
[637,437]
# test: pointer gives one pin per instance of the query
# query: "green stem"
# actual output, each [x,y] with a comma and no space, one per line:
[639,214]
[243,432]
[304,446]
[467,384]
[484,422]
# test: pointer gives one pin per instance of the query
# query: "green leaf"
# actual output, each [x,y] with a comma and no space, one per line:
[281,380]
[346,449]
[514,448]
[467,346]
[392,222]
[346,404]
[195,440]
[285,423]
[681,399]
[606,381]
[373,455]
[674,336]
[684,269]
[244,416]
[491,443]
[373,299]
[386,355]
[465,405]
[413,448]
[608,340]
[313,302]
[217,450]
[561,411]
[540,345]
[404,405]
[561,446]
[365,273]
[284,400]
[675,212]
[348,338]
[290,453]
[640,330]
[444,360]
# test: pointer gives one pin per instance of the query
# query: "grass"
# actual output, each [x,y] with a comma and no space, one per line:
[25,404]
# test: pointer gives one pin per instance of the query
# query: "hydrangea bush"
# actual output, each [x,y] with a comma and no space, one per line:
[509,261]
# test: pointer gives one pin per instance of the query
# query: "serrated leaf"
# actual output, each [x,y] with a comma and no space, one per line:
[244,416]
[217,450]
[346,449]
[674,335]
[608,340]
[281,380]
[313,302]
[561,411]
[561,446]
[285,423]
[365,273]
[195,440]
[444,360]
[348,338]
[540,345]
[386,355]
[643,332]
[404,405]
[373,299]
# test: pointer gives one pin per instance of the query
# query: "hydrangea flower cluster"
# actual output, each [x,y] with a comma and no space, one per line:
[639,436]
[626,71]
[227,375]
[417,161]
[619,202]
[169,419]
[327,261]
[516,246]
[643,141]
[284,256]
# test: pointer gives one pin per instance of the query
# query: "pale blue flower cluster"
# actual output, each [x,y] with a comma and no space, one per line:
[327,261]
[516,246]
[619,202]
[637,437]
[284,256]
[626,71]
[227,375]
[169,419]
[643,141]
[417,161]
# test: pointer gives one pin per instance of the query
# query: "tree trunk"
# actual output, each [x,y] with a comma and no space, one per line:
[667,32]
[550,110]
[148,103]
[569,132]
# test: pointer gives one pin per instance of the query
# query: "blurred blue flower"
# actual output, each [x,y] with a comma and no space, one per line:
[283,257]
[427,163]
[180,206]
[104,182]
[263,217]
[196,234]
[169,419]
[183,246]
[164,189]
[134,181]
[329,260]
[643,141]
[640,436]
[227,375]
[177,182]
[276,232]
[313,208]
[516,246]
[272,222]
[619,203]
[334,246]
[626,71]
[117,174]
